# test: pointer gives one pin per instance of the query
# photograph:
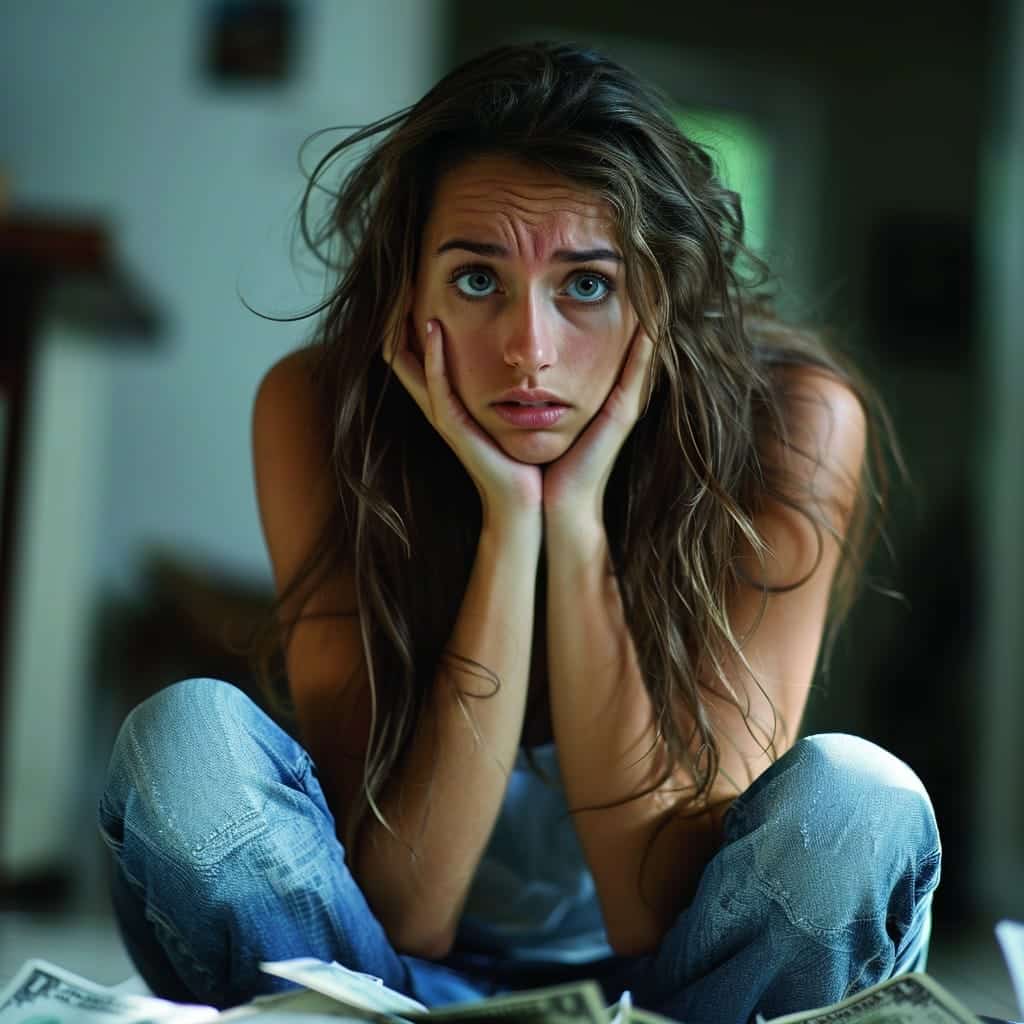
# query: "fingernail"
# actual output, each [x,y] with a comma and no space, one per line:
[430,326]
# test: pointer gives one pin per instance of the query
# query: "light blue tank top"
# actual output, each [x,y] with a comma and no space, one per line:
[533,897]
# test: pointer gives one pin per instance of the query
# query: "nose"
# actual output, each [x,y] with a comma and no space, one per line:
[530,342]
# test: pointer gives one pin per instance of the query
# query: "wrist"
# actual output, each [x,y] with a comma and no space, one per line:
[524,528]
[582,516]
[571,526]
[579,542]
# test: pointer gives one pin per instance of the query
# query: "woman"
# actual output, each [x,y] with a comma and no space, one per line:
[558,512]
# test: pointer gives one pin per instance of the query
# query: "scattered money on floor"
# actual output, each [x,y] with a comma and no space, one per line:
[42,993]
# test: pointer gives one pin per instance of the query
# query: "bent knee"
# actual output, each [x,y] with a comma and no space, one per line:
[190,700]
[183,718]
[180,744]
[191,767]
[862,784]
[859,762]
[837,827]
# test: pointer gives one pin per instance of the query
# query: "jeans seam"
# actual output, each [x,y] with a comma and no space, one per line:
[114,845]
[815,931]
[809,928]
[192,856]
[935,857]
[855,983]
[163,924]
[200,845]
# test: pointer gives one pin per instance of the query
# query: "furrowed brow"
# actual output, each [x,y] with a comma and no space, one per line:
[500,252]
[585,255]
[480,248]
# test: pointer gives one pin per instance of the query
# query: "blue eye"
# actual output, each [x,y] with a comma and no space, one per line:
[476,282]
[595,288]
[477,279]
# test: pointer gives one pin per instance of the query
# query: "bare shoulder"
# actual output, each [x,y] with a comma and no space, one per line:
[287,382]
[297,496]
[820,406]
[287,421]
[819,467]
[291,462]
[827,434]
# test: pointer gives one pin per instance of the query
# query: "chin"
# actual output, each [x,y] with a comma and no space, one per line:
[534,447]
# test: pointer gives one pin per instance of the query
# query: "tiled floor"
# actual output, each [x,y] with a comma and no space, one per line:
[967,963]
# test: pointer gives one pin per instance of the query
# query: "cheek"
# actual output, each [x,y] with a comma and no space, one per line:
[460,314]
[595,356]
[435,299]
[435,304]
[466,336]
[467,328]
[600,372]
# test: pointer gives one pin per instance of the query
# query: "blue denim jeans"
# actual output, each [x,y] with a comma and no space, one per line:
[225,854]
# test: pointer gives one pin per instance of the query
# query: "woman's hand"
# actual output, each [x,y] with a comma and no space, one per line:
[508,488]
[574,484]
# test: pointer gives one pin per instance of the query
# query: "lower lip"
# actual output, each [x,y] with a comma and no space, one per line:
[531,416]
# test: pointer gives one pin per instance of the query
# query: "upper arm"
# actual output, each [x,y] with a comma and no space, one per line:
[780,633]
[295,492]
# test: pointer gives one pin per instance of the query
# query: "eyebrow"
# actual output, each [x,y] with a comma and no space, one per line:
[500,252]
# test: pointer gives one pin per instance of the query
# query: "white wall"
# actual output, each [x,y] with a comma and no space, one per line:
[45,746]
[105,112]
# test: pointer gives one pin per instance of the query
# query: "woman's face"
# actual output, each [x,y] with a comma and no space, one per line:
[524,272]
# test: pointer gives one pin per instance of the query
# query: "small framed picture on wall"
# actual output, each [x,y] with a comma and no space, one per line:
[250,41]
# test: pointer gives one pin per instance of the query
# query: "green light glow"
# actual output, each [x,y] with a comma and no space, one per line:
[743,158]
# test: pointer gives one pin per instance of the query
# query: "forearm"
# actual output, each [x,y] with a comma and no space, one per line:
[445,796]
[608,749]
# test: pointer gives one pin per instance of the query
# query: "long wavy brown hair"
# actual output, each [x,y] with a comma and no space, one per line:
[690,478]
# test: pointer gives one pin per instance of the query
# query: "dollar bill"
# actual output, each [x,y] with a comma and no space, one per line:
[363,994]
[624,1012]
[576,1003]
[638,1016]
[905,999]
[299,1006]
[42,993]
[621,1012]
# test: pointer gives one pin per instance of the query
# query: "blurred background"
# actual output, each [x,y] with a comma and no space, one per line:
[149,180]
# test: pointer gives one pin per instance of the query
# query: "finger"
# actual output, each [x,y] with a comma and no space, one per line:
[434,364]
[444,402]
[427,381]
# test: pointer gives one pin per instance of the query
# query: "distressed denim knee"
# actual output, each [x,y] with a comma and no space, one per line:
[226,855]
[822,887]
[843,840]
[224,846]
[187,773]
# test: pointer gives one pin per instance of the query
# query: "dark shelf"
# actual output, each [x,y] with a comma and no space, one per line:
[54,266]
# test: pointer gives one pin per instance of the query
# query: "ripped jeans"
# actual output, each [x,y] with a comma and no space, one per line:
[225,854]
